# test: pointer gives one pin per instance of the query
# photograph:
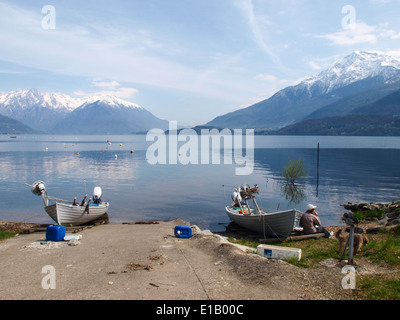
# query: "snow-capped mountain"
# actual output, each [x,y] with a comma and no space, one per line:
[112,101]
[60,113]
[352,68]
[27,99]
[361,77]
[108,115]
[35,109]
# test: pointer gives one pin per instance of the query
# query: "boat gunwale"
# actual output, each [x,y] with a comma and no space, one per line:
[227,208]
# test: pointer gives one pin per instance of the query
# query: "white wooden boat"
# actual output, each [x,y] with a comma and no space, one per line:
[69,212]
[278,224]
[65,214]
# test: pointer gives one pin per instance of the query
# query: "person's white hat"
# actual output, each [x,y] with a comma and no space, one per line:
[310,207]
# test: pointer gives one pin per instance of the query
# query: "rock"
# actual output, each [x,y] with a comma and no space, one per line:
[74,242]
[350,206]
[393,215]
[329,263]
[376,206]
[382,221]
[393,222]
[392,211]
[375,230]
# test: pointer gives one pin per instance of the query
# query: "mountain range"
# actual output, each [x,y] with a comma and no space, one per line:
[60,113]
[358,95]
[361,83]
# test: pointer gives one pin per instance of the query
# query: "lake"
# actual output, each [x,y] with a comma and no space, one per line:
[351,169]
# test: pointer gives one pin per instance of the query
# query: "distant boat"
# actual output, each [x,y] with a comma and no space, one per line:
[69,212]
[278,224]
[13,137]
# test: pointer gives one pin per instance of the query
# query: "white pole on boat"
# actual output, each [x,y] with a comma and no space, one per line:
[239,200]
[256,205]
[45,199]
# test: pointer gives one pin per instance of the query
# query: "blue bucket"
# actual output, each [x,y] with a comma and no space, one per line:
[183,232]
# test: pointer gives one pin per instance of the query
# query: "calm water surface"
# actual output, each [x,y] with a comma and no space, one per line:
[352,169]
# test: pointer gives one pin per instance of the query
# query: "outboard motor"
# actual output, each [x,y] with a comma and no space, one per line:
[38,188]
[97,193]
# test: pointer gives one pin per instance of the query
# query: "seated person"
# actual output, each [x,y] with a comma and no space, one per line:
[311,223]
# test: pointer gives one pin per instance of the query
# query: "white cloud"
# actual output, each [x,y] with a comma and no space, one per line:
[259,33]
[314,65]
[361,33]
[123,93]
[112,89]
[110,84]
[265,77]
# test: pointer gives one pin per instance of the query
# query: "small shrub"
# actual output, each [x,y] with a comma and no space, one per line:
[293,170]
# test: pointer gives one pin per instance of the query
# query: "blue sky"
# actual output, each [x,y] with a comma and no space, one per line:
[186,60]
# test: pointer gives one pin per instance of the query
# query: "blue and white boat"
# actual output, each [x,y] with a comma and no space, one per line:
[70,212]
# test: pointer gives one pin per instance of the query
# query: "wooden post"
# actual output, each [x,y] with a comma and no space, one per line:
[351,245]
[317,168]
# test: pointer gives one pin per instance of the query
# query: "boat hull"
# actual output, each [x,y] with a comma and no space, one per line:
[270,225]
[75,215]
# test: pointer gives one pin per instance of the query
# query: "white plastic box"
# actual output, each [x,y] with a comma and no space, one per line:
[275,252]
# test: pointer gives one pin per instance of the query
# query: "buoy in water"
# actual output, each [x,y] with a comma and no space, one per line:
[77,153]
[115,156]
[120,144]
[131,151]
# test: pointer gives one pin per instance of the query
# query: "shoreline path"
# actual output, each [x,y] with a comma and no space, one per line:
[146,262]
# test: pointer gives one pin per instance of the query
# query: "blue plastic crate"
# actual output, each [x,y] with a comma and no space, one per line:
[55,233]
[183,231]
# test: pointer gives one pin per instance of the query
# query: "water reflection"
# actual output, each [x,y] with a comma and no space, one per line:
[294,193]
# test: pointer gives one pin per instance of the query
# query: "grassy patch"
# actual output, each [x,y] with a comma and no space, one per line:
[245,242]
[379,288]
[313,251]
[5,234]
[362,215]
[384,250]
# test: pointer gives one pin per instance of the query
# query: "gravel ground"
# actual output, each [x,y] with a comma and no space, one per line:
[147,262]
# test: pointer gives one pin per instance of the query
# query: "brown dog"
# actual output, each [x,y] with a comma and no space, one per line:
[359,240]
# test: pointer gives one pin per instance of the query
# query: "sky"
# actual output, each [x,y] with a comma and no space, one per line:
[185,60]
